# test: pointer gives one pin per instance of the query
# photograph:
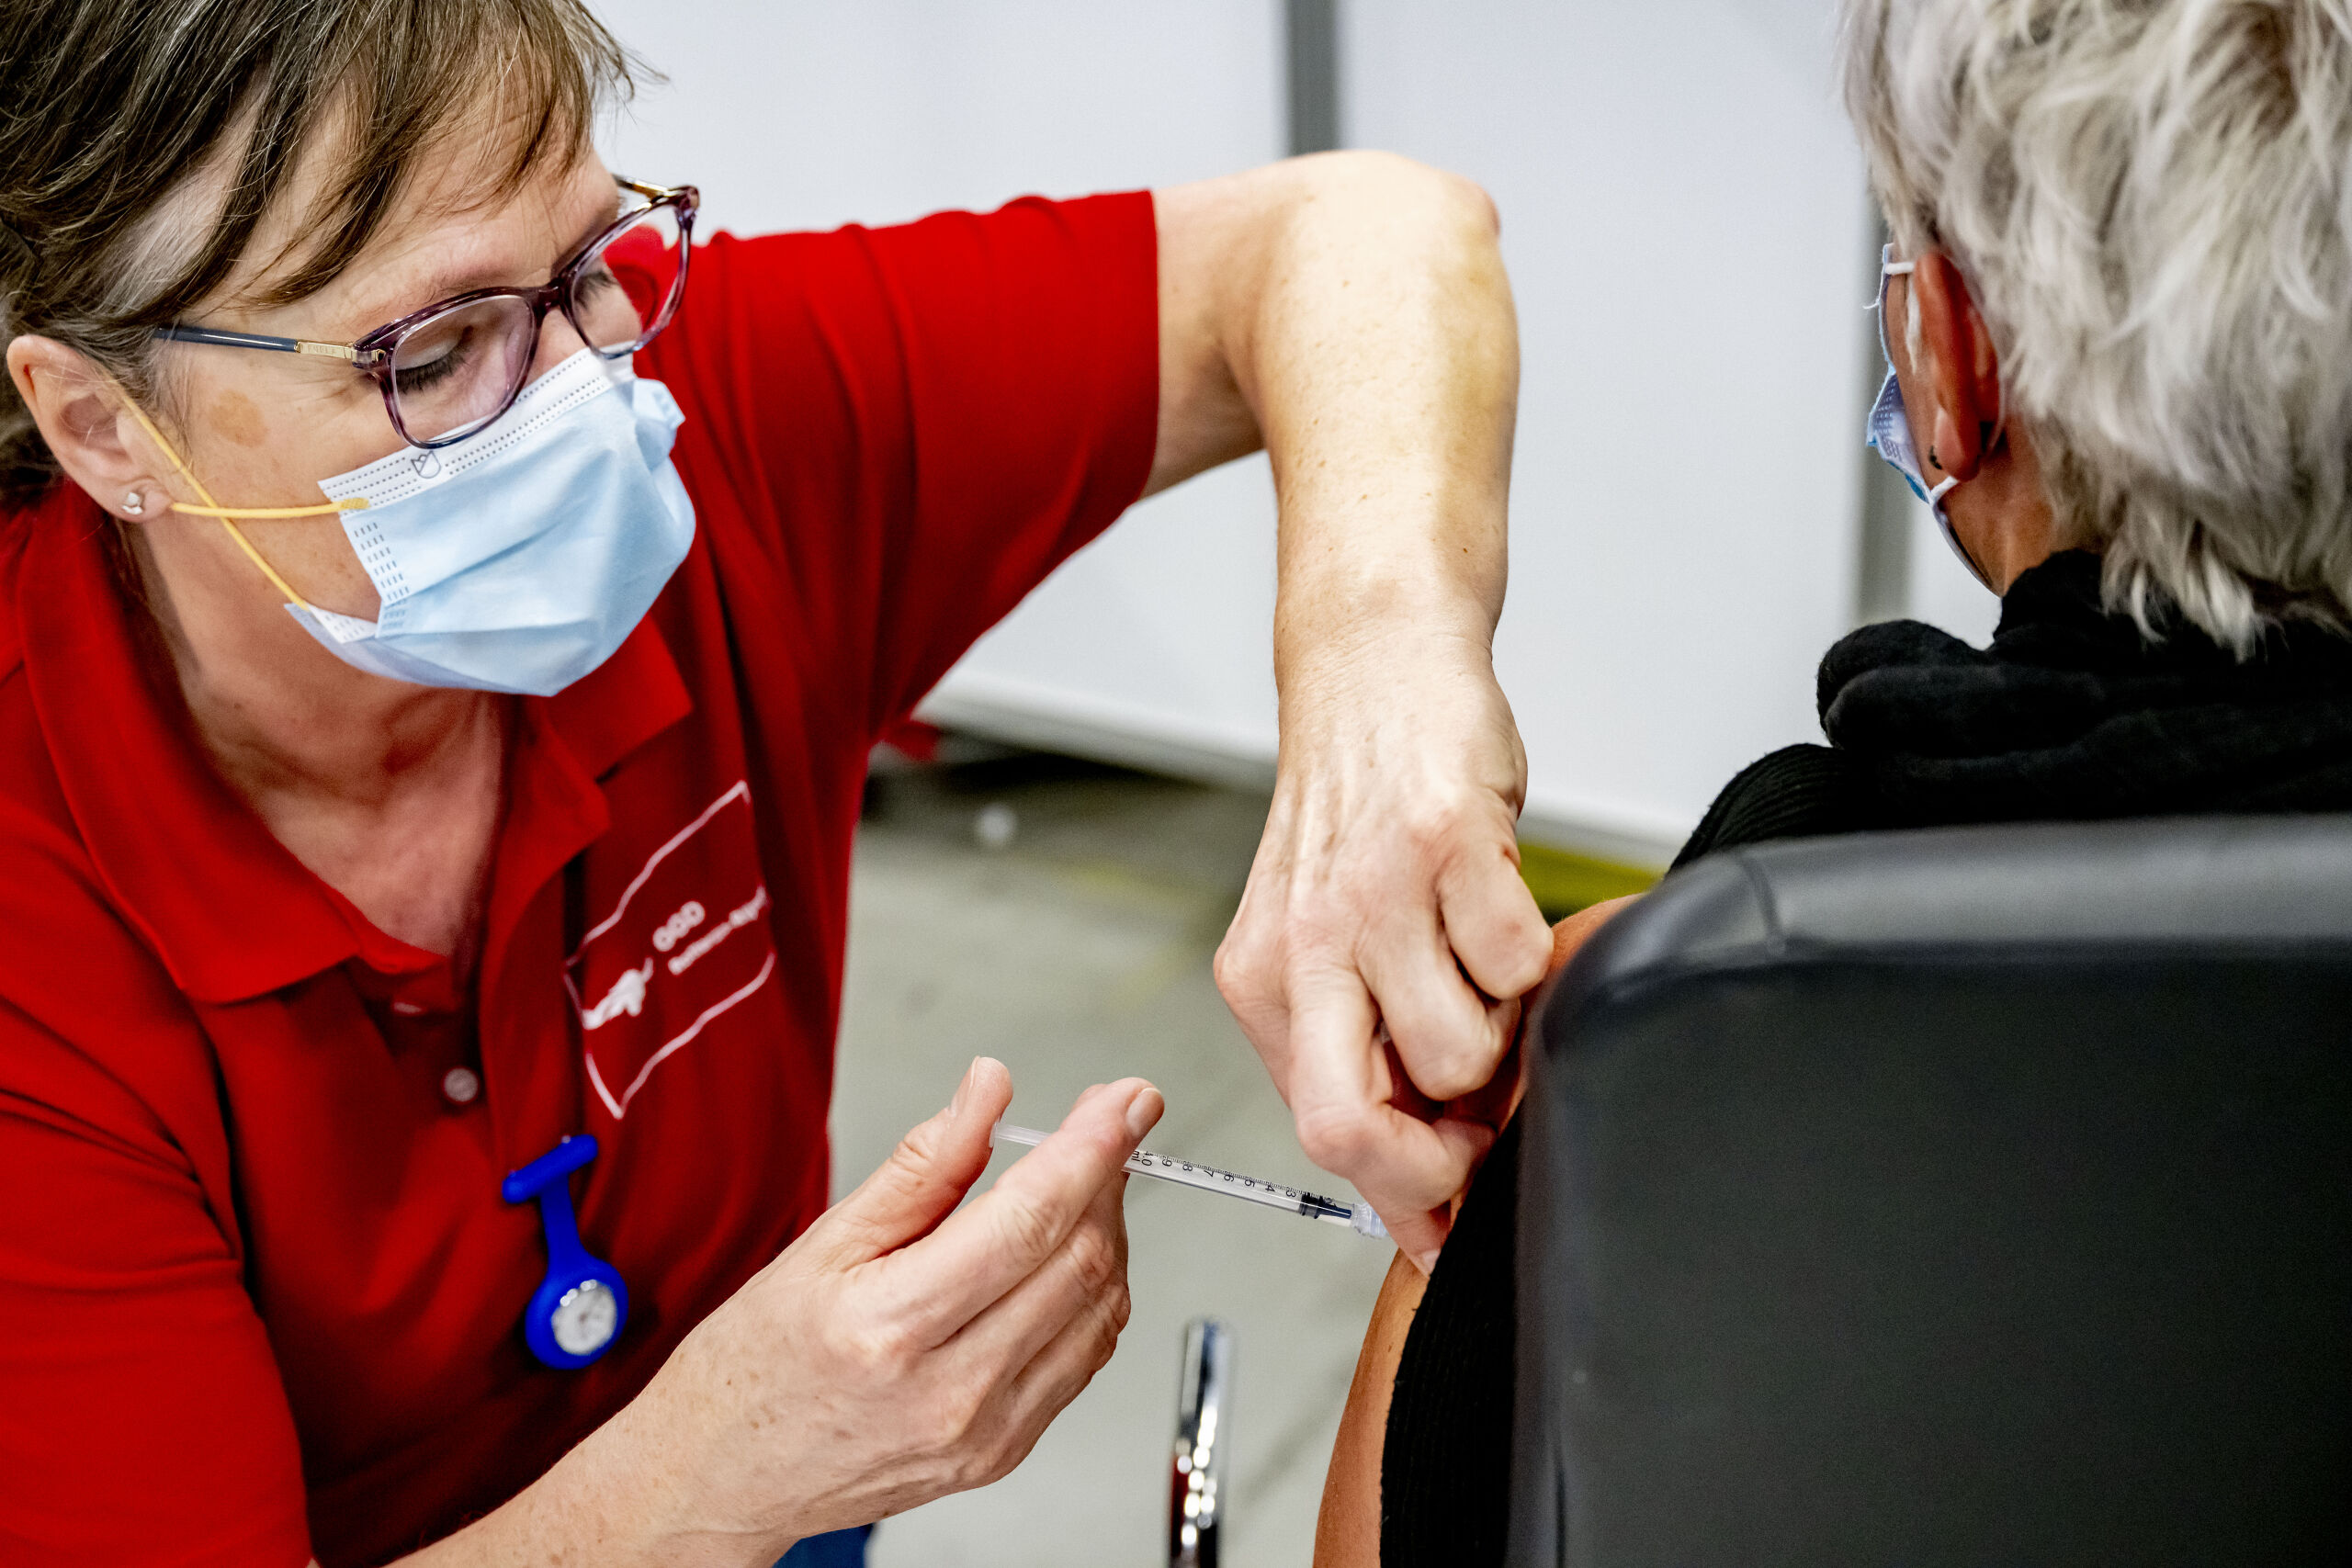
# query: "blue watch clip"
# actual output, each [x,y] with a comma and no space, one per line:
[579,1308]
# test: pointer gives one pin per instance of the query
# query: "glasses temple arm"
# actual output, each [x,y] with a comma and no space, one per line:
[219,339]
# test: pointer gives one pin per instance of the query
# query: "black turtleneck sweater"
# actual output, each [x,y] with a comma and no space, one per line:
[2069,714]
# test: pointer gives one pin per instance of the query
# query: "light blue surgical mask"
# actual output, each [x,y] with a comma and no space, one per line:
[1889,428]
[518,559]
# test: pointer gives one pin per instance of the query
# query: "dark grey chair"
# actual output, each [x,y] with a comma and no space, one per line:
[1976,1196]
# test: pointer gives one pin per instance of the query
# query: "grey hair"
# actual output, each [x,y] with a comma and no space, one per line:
[2152,200]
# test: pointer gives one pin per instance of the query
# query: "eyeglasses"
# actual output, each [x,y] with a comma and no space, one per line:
[453,367]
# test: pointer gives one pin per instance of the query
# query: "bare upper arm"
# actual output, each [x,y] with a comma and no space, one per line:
[1347,1532]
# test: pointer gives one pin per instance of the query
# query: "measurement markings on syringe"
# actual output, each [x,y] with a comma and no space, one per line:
[1142,1157]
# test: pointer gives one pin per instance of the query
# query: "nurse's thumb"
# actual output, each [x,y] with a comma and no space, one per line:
[927,1175]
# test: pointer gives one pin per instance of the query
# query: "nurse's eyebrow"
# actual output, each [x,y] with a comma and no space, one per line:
[448,285]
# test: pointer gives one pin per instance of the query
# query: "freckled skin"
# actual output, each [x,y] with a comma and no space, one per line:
[237,418]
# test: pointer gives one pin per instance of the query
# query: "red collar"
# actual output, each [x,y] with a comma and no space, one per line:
[230,910]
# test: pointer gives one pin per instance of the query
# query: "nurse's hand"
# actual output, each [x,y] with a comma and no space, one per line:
[1351,311]
[1385,935]
[901,1349]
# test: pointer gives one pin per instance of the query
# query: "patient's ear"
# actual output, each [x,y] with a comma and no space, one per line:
[1963,372]
[82,417]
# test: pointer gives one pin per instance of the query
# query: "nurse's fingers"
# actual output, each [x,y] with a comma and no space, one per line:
[1088,1269]
[1492,924]
[939,1284]
[1057,1374]
[926,1177]
[1450,1034]
[1344,1094]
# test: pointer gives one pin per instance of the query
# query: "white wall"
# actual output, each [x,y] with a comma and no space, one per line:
[1684,223]
[814,113]
[1683,218]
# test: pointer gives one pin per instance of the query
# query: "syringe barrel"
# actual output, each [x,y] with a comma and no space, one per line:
[1209,1178]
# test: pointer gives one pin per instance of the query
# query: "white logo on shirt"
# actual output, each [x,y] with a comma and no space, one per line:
[627,996]
[737,919]
[665,975]
[675,929]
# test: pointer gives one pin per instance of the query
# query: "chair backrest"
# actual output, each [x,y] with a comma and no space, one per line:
[1966,1196]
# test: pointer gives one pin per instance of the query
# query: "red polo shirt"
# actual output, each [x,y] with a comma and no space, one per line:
[259,1296]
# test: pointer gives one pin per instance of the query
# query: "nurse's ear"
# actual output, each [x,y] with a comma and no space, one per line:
[81,415]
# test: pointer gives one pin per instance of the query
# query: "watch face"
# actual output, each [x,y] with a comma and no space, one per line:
[584,1320]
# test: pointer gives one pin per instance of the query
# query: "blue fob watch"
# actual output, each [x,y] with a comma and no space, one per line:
[577,1310]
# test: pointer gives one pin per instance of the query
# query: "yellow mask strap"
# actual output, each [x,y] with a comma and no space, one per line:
[213,508]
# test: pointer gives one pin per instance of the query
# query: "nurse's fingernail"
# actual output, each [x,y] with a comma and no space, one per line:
[1143,1111]
[955,1102]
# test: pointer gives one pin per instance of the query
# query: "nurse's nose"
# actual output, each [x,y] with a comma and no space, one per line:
[559,340]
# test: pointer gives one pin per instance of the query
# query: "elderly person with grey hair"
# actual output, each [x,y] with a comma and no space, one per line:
[2117,310]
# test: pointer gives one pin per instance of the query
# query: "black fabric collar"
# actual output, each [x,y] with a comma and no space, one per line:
[2072,713]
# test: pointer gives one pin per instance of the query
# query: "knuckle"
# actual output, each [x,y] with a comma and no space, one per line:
[1457,1066]
[876,1350]
[997,1460]
[1024,1231]
[961,1409]
[1450,1078]
[988,1457]
[1095,1258]
[1430,829]
[916,1150]
[1239,971]
[1333,1137]
[1224,966]
[973,1471]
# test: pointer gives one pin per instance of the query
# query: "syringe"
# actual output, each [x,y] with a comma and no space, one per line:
[1357,1216]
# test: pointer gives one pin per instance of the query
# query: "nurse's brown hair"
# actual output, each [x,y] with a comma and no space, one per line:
[112,107]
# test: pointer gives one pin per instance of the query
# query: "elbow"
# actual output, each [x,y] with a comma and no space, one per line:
[1401,185]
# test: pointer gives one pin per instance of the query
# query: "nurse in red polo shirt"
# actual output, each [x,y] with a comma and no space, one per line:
[445,609]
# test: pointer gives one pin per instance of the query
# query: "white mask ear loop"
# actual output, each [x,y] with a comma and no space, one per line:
[214,508]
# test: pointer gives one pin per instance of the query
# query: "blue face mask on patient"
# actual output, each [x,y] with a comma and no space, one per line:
[518,559]
[1888,429]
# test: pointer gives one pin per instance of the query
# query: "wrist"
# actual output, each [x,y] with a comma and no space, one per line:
[1421,681]
[615,1499]
[1358,617]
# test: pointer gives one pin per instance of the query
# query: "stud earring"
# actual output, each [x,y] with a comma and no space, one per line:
[134,503]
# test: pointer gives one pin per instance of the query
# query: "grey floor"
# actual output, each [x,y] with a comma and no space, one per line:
[1077,952]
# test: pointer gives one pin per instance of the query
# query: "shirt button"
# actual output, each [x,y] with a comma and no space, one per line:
[460,1085]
